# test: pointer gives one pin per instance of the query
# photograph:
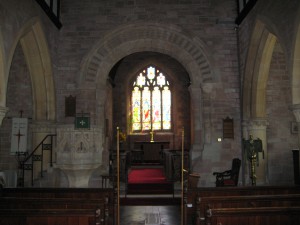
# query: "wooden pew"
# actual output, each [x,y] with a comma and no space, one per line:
[52,206]
[88,193]
[47,217]
[50,203]
[196,198]
[248,201]
[254,216]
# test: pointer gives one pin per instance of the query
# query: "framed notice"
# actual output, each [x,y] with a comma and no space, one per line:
[19,135]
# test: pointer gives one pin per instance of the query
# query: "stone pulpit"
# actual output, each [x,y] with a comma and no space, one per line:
[79,153]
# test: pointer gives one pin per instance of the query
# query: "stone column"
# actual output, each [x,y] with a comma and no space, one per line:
[296,111]
[197,122]
[3,111]
[245,163]
[258,129]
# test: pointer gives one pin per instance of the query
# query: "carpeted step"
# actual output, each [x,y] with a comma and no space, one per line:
[148,181]
[150,188]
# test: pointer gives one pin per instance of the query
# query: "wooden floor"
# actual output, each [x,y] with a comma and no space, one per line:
[143,215]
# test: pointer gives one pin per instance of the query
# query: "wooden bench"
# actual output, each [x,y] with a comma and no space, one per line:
[88,193]
[248,201]
[254,216]
[198,199]
[51,206]
[51,203]
[47,217]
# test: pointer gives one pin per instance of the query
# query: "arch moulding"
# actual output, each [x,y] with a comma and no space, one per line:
[257,71]
[169,40]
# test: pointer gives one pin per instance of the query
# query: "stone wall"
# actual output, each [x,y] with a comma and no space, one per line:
[200,35]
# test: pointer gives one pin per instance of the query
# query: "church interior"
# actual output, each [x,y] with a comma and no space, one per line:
[150,112]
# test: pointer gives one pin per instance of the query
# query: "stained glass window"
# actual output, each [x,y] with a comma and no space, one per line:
[151,101]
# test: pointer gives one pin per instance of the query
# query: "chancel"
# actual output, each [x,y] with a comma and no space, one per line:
[149,112]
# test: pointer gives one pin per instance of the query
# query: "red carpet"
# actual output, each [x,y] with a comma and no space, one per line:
[146,175]
[148,181]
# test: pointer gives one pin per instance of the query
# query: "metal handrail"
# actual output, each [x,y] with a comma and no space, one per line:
[42,156]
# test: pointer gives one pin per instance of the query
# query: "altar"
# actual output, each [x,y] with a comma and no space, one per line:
[149,152]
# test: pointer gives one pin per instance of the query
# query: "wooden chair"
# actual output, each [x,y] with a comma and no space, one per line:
[229,177]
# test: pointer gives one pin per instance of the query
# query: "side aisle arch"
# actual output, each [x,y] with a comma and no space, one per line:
[3,82]
[33,42]
[295,85]
[257,69]
[37,57]
[296,70]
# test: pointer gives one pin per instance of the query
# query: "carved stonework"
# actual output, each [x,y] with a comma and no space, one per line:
[258,124]
[78,153]
[80,145]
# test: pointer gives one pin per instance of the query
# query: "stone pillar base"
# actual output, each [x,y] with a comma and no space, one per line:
[78,175]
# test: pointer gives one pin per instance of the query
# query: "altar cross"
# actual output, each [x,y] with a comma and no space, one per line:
[151,135]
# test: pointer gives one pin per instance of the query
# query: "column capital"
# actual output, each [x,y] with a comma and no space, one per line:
[258,123]
[196,91]
[3,111]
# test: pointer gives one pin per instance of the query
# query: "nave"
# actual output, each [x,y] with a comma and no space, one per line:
[264,205]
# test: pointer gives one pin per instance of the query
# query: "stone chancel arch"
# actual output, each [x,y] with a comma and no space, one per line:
[188,50]
[147,37]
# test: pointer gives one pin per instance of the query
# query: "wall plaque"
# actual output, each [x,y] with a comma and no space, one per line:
[228,131]
[70,106]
